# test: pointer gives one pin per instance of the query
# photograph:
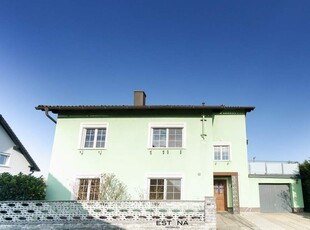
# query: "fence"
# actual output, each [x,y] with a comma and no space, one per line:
[19,212]
[272,168]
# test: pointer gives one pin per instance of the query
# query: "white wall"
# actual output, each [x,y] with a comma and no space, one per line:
[17,162]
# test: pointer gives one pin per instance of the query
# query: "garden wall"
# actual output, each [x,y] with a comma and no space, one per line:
[108,214]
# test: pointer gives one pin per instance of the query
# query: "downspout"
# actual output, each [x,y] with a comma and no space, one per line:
[203,135]
[31,171]
[46,114]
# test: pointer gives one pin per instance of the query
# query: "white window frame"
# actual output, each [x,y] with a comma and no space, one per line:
[7,161]
[166,125]
[85,126]
[149,176]
[89,177]
[221,144]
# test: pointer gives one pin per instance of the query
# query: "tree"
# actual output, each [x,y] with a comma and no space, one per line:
[21,187]
[304,169]
[112,188]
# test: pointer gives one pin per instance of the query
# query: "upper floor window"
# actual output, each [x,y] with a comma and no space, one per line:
[94,136]
[89,189]
[4,158]
[165,189]
[167,135]
[221,152]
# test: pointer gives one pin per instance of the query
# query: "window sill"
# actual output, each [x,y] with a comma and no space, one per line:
[82,151]
[164,148]
[85,149]
[222,162]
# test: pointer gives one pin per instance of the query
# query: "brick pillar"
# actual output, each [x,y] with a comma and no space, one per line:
[210,212]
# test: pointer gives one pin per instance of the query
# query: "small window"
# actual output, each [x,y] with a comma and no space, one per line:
[89,189]
[4,158]
[221,152]
[165,189]
[94,136]
[167,137]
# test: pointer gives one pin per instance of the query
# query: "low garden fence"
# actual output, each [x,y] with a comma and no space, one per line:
[108,211]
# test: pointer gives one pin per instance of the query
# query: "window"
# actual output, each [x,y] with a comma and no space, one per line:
[221,152]
[167,135]
[4,159]
[94,136]
[89,189]
[165,189]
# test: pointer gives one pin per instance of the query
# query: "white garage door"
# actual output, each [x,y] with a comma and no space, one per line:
[275,198]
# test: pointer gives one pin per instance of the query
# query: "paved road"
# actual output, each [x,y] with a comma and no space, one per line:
[227,221]
[263,221]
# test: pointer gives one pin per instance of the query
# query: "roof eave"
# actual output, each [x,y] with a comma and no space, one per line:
[58,109]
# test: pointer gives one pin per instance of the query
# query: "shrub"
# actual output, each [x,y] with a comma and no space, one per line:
[304,169]
[21,187]
[112,188]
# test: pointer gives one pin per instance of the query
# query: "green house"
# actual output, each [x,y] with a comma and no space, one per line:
[166,152]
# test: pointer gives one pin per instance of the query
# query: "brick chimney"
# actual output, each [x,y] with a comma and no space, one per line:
[139,98]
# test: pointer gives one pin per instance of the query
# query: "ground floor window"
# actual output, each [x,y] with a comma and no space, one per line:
[165,189]
[89,189]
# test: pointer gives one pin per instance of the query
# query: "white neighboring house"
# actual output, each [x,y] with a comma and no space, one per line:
[14,158]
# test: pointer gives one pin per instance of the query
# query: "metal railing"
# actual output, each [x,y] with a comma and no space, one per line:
[273,168]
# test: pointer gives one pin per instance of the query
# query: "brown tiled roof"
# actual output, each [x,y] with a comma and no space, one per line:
[59,108]
[19,145]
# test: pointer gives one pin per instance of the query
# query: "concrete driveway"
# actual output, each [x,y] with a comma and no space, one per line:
[263,221]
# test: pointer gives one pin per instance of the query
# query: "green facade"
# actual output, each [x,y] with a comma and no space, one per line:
[129,156]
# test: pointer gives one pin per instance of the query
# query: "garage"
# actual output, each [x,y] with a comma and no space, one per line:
[275,198]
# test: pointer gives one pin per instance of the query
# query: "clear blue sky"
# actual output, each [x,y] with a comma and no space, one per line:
[237,53]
